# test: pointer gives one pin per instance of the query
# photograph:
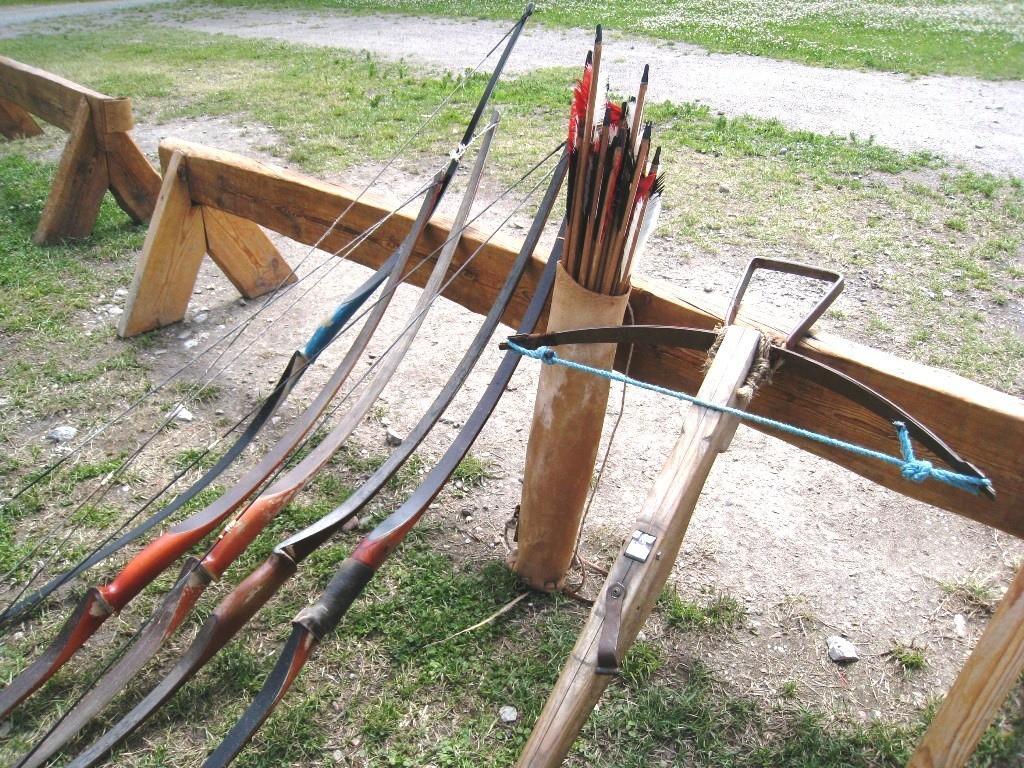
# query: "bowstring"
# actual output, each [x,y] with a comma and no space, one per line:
[377,361]
[274,295]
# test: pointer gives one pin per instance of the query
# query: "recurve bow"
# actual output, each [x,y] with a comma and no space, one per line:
[100,603]
[198,573]
[255,590]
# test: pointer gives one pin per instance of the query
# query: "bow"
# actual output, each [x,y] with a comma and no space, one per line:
[100,603]
[245,600]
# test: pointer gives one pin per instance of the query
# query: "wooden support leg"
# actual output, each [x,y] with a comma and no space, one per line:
[637,582]
[134,183]
[78,186]
[169,263]
[245,254]
[15,122]
[980,689]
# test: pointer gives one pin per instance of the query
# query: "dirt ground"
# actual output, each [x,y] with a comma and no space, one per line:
[808,548]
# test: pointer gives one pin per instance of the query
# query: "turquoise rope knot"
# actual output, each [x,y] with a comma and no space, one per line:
[913,468]
[910,467]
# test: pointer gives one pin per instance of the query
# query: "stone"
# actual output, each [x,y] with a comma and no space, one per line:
[61,434]
[120,293]
[392,438]
[183,414]
[723,189]
[508,714]
[708,288]
[960,625]
[841,650]
[200,317]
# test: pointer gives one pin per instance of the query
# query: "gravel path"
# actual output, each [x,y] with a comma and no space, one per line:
[976,122]
[16,15]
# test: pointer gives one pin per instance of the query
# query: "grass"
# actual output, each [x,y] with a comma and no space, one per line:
[973,595]
[927,36]
[393,687]
[907,657]
[715,611]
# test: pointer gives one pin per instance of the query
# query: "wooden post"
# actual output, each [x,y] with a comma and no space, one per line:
[78,185]
[245,254]
[15,122]
[980,689]
[180,233]
[169,263]
[568,416]
[665,516]
[100,152]
[134,182]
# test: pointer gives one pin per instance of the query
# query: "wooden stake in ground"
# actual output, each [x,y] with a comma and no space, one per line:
[980,689]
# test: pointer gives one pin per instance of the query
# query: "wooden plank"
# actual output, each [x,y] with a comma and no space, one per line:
[134,183]
[245,254]
[78,186]
[983,425]
[15,122]
[980,689]
[665,515]
[169,263]
[111,115]
[48,96]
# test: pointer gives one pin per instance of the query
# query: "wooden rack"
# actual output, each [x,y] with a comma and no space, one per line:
[100,153]
[213,201]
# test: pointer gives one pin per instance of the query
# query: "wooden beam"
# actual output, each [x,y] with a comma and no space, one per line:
[983,425]
[53,98]
[169,264]
[134,183]
[15,122]
[980,689]
[245,254]
[78,186]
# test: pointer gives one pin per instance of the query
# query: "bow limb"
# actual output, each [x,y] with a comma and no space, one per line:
[812,370]
[198,574]
[314,623]
[258,587]
[100,603]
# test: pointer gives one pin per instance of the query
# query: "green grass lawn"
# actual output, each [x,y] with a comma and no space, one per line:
[942,244]
[981,39]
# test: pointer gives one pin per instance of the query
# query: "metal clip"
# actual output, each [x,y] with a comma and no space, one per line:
[640,546]
[608,642]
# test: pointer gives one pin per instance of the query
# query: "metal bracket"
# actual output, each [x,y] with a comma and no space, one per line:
[608,642]
[789,268]
[640,546]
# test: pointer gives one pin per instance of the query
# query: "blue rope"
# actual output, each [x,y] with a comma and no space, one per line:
[912,468]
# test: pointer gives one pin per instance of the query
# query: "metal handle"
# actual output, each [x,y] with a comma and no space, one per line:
[789,268]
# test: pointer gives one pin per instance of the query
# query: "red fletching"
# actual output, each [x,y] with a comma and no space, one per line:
[615,111]
[643,189]
[580,99]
